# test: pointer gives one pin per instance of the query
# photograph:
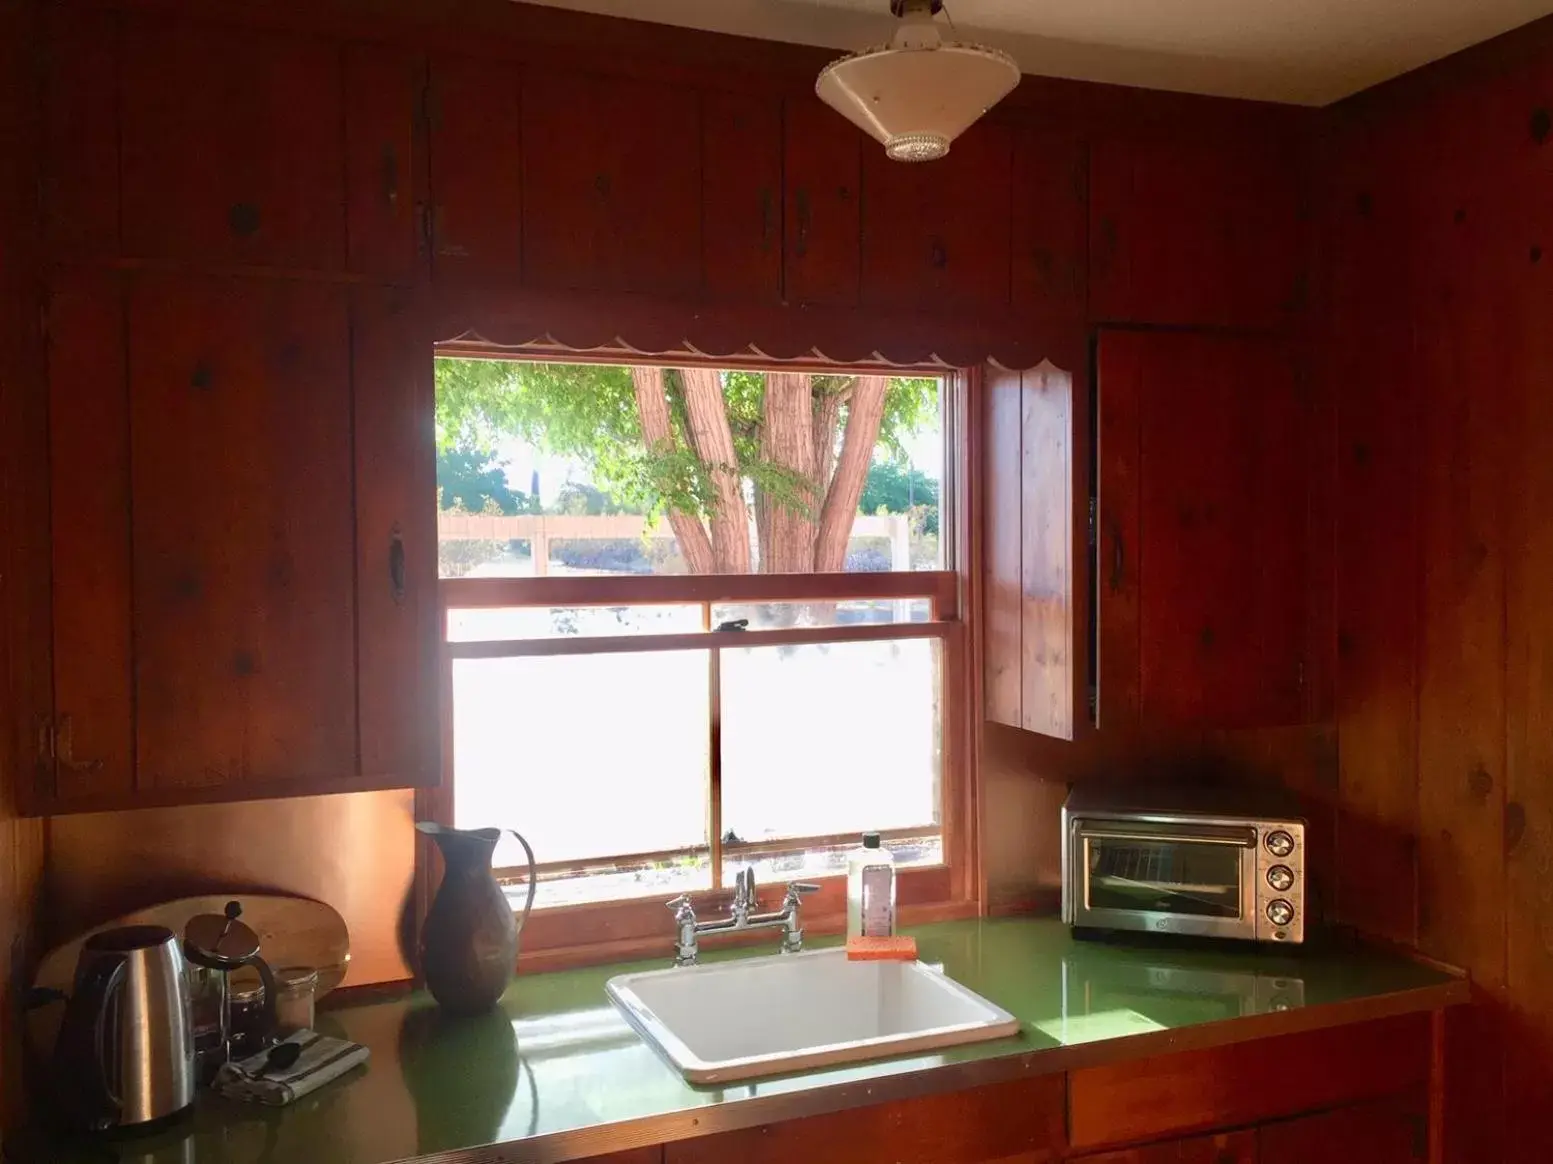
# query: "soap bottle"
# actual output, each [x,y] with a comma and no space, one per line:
[870,890]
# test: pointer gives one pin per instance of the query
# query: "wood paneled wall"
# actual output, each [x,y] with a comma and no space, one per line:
[23,657]
[1439,228]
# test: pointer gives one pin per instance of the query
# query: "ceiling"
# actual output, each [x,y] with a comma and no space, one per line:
[1306,52]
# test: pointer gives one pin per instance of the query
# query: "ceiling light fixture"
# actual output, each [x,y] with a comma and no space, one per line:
[919,92]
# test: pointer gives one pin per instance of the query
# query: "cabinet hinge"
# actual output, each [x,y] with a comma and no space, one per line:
[48,740]
[1299,674]
[1094,524]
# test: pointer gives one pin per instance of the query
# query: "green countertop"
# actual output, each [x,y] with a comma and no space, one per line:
[556,1073]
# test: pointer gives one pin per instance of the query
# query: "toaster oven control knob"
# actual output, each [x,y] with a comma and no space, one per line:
[1280,843]
[1280,912]
[1281,878]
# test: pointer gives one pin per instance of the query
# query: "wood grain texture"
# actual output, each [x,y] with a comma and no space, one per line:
[80,192]
[90,533]
[1003,485]
[1049,235]
[822,177]
[1391,1131]
[243,541]
[1119,563]
[1224,1148]
[1022,1119]
[1223,1087]
[249,172]
[741,197]
[476,133]
[385,170]
[1049,666]
[25,660]
[612,184]
[398,616]
[937,237]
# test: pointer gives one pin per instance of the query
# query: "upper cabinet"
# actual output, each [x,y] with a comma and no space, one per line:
[741,197]
[1201,523]
[612,171]
[822,198]
[936,236]
[243,542]
[231,145]
[475,129]
[1206,233]
[385,165]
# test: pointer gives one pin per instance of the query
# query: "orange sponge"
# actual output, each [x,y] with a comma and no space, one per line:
[900,948]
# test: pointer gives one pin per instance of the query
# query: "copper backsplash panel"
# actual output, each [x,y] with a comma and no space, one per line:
[355,852]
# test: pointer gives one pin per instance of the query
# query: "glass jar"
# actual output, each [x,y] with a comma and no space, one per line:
[296,987]
[245,1011]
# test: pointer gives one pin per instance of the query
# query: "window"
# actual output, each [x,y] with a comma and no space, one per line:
[697,620]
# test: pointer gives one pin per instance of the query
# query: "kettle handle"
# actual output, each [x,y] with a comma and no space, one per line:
[103,978]
[533,877]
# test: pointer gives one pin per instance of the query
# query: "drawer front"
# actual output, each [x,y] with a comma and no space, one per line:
[1019,1121]
[1246,1083]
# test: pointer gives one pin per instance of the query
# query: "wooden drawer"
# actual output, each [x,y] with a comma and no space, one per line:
[1246,1083]
[1020,1120]
[1224,1148]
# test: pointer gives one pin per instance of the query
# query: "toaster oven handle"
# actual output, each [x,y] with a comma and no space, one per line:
[1198,834]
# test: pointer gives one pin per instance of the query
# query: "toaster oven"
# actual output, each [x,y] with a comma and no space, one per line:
[1194,862]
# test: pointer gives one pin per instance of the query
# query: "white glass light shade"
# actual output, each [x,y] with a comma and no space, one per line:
[916,100]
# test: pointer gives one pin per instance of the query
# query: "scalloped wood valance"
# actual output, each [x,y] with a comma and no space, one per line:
[636,325]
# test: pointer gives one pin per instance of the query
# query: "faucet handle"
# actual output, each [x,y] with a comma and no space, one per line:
[796,890]
[681,906]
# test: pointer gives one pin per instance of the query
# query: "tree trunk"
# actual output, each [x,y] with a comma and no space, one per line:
[865,412]
[707,410]
[652,408]
[787,440]
[827,414]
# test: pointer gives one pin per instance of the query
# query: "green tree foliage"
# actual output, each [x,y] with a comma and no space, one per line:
[892,487]
[472,480]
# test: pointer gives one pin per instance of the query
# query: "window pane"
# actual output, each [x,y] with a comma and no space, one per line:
[591,469]
[497,623]
[586,755]
[830,738]
[806,862]
[851,612]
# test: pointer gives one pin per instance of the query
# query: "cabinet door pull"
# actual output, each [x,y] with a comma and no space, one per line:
[396,584]
[1118,559]
[801,243]
[64,747]
[390,177]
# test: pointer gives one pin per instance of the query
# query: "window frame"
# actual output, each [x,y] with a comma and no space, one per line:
[555,937]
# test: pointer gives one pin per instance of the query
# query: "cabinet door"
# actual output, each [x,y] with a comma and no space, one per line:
[81,167]
[1050,225]
[232,149]
[1225,1148]
[244,551]
[397,649]
[613,198]
[741,197]
[822,161]
[1202,530]
[1195,233]
[89,499]
[1393,1131]
[476,169]
[936,236]
[1030,669]
[383,87]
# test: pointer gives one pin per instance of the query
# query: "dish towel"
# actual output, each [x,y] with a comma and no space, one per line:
[323,1059]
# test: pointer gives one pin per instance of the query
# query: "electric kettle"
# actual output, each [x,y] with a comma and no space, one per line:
[125,1054]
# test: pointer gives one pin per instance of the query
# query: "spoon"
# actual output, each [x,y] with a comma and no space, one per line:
[281,1057]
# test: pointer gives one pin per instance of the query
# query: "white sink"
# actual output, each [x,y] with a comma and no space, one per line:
[788,1012]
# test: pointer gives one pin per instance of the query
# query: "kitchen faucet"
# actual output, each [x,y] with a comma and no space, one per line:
[742,915]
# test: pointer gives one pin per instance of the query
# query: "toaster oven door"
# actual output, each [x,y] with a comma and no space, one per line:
[1180,879]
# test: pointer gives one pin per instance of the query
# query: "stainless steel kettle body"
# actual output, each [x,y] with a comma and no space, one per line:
[125,1054]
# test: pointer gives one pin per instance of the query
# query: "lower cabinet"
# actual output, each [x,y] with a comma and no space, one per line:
[1391,1131]
[1225,1148]
[1021,1122]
